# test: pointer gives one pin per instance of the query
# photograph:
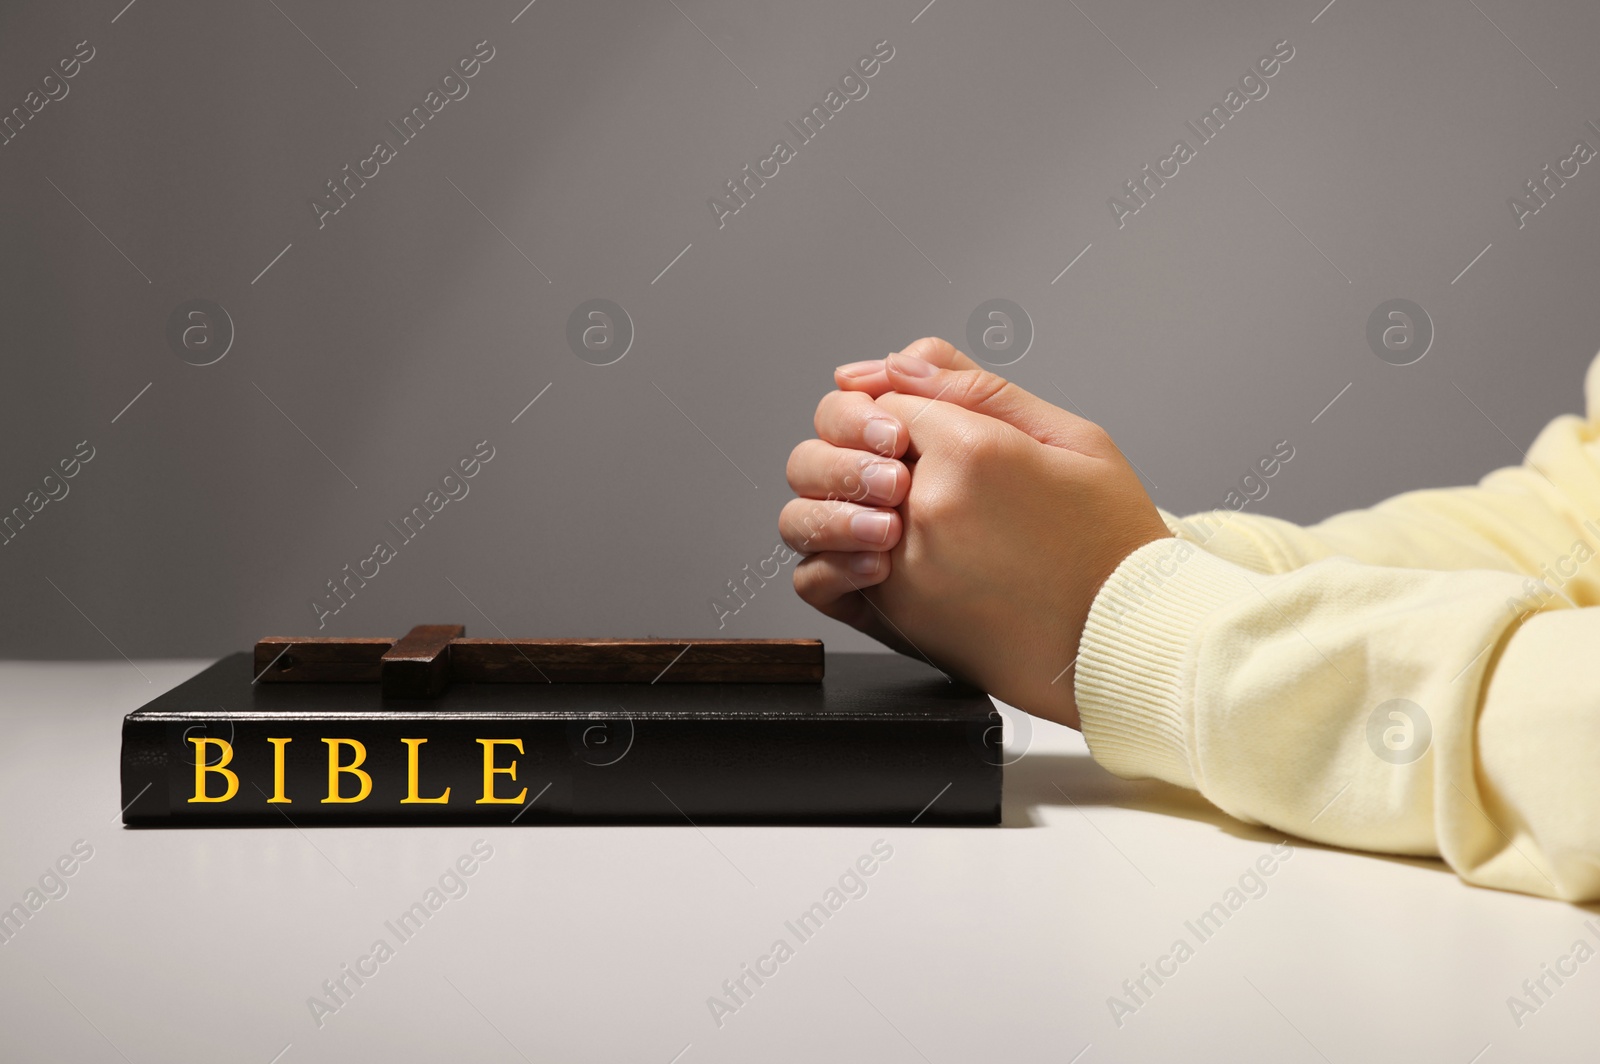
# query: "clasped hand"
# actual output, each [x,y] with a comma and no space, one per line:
[957,518]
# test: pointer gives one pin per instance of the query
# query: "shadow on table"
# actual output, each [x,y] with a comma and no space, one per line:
[1077,781]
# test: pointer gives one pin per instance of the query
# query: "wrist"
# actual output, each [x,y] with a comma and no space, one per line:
[1134,677]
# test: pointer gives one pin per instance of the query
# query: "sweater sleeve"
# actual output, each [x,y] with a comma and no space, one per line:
[1396,710]
[1516,519]
[1415,678]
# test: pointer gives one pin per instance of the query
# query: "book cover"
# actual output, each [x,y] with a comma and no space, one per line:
[881,739]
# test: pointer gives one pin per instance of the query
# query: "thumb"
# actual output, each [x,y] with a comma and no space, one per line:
[980,391]
[944,430]
[870,376]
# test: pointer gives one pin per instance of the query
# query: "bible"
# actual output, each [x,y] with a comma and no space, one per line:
[436,728]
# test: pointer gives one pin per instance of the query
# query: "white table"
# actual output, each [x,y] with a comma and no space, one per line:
[605,944]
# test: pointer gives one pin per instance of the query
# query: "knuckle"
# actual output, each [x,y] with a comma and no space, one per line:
[793,470]
[847,475]
[899,408]
[786,524]
[825,409]
[799,522]
[1098,438]
[841,416]
[978,456]
[981,388]
[969,443]
[944,524]
[936,508]
[805,581]
[814,524]
[818,581]
[813,588]
[985,450]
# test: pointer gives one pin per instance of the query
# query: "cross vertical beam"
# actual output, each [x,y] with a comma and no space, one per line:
[418,665]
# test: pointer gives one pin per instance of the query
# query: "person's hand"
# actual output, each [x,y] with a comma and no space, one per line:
[1017,513]
[848,481]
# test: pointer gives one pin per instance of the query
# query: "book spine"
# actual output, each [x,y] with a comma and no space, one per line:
[455,769]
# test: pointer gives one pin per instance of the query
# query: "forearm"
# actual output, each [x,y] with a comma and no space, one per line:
[1260,691]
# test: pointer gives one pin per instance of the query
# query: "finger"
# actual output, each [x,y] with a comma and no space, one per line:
[871,376]
[812,526]
[851,419]
[865,376]
[819,470]
[936,427]
[828,583]
[983,392]
[824,580]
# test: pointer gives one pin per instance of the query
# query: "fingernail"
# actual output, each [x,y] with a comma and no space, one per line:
[861,369]
[913,366]
[865,564]
[882,435]
[881,479]
[870,527]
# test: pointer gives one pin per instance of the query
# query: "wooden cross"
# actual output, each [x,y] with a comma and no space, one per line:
[424,661]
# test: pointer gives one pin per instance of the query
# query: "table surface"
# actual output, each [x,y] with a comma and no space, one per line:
[610,943]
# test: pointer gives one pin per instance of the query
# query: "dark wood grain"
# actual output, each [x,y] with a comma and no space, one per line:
[418,665]
[636,661]
[537,660]
[281,659]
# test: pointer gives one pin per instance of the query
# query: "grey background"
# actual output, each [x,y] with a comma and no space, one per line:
[409,328]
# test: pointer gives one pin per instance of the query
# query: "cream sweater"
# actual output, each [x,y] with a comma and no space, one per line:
[1260,663]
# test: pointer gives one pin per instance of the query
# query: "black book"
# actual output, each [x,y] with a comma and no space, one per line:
[881,739]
